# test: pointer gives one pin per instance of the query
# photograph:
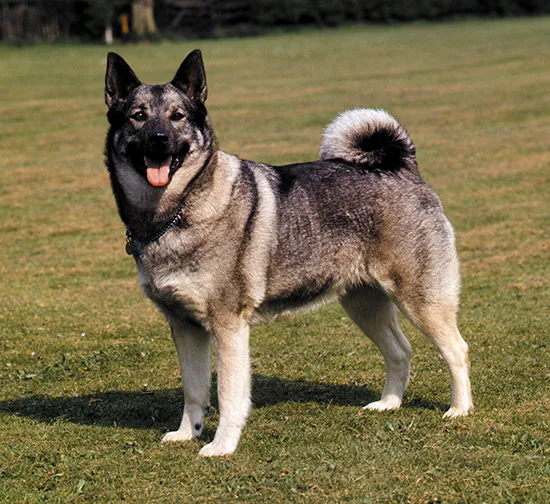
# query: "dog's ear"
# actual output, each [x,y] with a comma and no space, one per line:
[120,80]
[191,77]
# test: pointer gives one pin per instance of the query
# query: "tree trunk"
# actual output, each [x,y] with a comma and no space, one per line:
[143,18]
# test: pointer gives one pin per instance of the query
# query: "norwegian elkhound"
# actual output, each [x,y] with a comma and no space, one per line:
[220,242]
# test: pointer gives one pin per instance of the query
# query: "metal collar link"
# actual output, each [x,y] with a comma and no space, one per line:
[130,238]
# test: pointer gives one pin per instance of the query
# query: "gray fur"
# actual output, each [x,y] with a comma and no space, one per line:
[256,241]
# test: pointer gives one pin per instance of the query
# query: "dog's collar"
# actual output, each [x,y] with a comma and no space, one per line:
[131,239]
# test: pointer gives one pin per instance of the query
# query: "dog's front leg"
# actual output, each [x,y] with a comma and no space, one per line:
[233,366]
[193,346]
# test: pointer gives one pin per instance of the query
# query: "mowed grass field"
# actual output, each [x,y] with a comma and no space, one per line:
[89,379]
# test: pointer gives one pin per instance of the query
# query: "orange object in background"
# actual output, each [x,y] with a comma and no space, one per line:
[124,24]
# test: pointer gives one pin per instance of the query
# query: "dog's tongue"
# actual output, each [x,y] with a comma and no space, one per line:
[158,171]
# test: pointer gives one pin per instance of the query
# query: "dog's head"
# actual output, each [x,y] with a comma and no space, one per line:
[157,130]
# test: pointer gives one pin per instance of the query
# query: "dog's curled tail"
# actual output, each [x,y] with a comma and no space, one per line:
[370,137]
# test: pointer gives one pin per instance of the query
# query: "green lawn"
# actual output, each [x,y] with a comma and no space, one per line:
[89,380]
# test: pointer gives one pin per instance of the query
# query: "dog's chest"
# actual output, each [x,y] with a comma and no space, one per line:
[176,285]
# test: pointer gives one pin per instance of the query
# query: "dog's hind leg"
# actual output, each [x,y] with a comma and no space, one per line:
[233,367]
[437,321]
[376,316]
[193,347]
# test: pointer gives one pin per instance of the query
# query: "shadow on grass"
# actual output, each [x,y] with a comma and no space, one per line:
[160,409]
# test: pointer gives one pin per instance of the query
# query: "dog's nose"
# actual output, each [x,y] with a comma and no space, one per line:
[158,140]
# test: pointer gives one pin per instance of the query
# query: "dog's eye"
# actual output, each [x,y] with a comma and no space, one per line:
[139,116]
[177,116]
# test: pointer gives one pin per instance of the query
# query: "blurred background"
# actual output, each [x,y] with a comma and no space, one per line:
[104,20]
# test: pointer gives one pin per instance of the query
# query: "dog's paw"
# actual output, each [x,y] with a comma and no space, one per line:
[188,429]
[455,412]
[215,449]
[389,403]
[177,436]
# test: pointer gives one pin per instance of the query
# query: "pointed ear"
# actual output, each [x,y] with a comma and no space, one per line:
[191,77]
[120,80]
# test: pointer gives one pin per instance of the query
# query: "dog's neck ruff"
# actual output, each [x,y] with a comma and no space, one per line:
[131,239]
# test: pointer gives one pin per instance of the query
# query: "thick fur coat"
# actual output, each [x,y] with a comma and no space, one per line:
[221,242]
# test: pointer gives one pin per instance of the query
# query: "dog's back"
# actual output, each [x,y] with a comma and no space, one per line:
[358,216]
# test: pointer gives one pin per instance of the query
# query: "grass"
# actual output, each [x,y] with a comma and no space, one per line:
[89,377]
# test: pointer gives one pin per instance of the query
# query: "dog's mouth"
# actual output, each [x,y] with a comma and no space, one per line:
[159,169]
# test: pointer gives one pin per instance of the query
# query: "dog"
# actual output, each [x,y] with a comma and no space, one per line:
[221,243]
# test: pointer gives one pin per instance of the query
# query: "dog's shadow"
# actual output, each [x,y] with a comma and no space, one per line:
[161,409]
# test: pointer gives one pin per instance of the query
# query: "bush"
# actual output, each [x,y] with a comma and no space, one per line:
[86,19]
[334,12]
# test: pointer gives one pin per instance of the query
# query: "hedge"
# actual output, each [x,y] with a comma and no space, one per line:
[86,19]
[333,12]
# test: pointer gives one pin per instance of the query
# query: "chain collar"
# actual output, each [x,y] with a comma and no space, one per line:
[131,239]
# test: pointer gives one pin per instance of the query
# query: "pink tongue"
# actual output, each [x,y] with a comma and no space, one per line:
[158,177]
[158,173]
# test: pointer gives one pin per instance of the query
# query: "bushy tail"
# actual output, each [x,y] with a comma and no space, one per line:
[370,137]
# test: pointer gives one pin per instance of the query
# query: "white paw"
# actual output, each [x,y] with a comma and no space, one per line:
[455,412]
[177,436]
[390,403]
[215,449]
[225,443]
